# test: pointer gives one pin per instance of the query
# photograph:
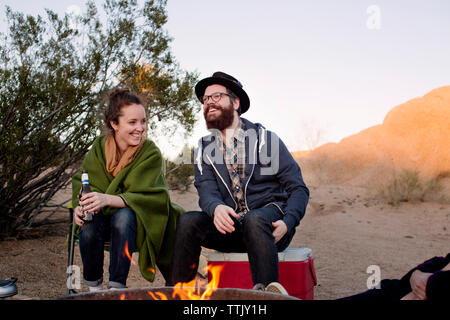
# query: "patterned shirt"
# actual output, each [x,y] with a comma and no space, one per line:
[234,157]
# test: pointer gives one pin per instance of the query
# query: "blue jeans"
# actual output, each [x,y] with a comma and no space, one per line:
[253,235]
[119,229]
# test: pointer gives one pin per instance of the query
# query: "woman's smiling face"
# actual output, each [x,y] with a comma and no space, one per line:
[130,128]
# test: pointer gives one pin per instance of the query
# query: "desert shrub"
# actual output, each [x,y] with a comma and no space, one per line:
[180,172]
[54,72]
[443,175]
[179,177]
[408,186]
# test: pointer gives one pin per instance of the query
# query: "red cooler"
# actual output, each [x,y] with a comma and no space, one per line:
[296,271]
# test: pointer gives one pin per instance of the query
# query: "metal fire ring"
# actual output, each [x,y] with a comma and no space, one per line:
[143,294]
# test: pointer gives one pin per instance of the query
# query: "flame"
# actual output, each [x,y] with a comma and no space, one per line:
[127,253]
[162,296]
[195,289]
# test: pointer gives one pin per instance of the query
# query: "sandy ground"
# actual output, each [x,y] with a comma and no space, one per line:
[347,230]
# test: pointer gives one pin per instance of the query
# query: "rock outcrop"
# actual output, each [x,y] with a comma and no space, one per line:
[414,135]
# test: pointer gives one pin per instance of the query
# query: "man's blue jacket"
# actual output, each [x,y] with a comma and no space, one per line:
[273,177]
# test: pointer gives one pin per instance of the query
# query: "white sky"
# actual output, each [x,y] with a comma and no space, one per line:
[328,66]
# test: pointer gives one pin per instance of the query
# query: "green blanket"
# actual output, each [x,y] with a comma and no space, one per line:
[142,184]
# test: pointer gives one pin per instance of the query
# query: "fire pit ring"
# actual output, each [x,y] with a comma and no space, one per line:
[159,293]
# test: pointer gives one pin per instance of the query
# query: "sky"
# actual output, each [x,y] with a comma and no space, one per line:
[311,68]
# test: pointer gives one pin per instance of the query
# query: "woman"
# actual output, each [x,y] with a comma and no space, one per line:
[129,198]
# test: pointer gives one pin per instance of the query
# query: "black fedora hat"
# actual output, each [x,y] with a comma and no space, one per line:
[227,81]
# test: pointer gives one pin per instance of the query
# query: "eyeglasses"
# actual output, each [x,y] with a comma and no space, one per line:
[216,96]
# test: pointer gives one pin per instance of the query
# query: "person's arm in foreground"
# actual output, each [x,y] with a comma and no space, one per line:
[419,282]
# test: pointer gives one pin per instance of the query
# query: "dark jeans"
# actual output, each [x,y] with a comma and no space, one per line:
[390,290]
[119,229]
[253,235]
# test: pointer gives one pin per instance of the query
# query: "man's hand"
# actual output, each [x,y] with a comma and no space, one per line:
[418,283]
[280,230]
[222,219]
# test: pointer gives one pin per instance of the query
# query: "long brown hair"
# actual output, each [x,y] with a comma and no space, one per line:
[118,98]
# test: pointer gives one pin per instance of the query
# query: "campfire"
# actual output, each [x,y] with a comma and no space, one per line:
[197,289]
[126,252]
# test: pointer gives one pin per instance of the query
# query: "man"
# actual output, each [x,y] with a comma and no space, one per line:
[251,190]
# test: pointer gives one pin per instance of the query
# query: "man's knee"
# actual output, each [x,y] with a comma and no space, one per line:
[254,226]
[190,220]
[253,220]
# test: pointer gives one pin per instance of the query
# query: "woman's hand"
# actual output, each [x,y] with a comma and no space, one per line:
[94,201]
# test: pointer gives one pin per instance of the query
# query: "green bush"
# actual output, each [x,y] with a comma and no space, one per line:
[54,72]
[408,186]
[180,172]
[179,177]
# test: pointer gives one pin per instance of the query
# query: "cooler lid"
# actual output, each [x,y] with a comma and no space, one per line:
[290,254]
[295,254]
[227,256]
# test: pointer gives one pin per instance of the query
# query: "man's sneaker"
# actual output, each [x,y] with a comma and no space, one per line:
[276,287]
[259,286]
